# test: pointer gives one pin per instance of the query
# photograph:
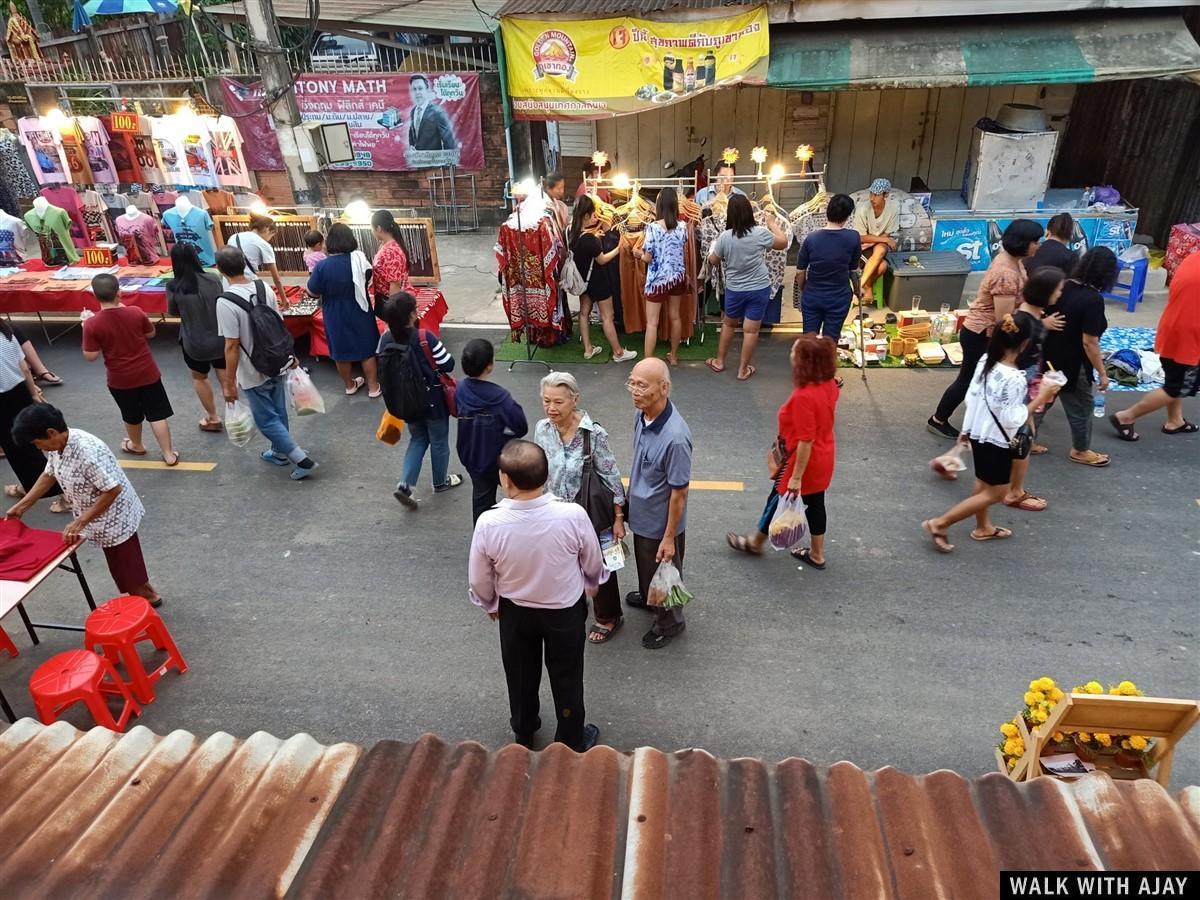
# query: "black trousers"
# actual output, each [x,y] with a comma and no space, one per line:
[974,346]
[525,633]
[666,621]
[483,492]
[26,460]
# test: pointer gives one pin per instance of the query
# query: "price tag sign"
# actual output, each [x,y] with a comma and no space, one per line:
[100,257]
[125,122]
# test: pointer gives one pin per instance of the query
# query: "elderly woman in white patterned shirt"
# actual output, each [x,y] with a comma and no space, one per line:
[562,434]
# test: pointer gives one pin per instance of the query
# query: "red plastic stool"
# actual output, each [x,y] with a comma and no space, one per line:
[118,626]
[80,675]
[7,645]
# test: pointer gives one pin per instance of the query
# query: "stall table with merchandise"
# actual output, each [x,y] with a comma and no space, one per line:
[305,318]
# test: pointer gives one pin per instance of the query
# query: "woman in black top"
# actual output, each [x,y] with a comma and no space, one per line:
[593,264]
[1075,351]
[192,295]
[1055,250]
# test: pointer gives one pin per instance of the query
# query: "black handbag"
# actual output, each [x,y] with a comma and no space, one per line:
[594,495]
[1020,443]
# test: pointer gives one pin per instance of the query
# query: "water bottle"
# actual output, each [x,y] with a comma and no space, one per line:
[1098,404]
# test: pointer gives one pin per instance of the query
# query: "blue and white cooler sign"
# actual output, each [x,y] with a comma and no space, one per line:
[966,237]
[1116,234]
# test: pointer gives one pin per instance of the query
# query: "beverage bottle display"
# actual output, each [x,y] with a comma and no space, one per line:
[710,69]
[1078,238]
[701,75]
[668,70]
[689,78]
[677,76]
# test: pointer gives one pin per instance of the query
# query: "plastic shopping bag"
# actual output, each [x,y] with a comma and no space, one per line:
[666,588]
[948,465]
[390,428]
[789,525]
[239,423]
[306,399]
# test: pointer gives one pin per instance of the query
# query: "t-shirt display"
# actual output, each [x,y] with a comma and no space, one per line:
[45,152]
[124,154]
[147,156]
[169,148]
[13,233]
[228,160]
[218,202]
[141,237]
[197,148]
[16,181]
[53,230]
[196,229]
[66,198]
[102,168]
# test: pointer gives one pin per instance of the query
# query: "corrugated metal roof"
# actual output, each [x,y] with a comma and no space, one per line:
[430,819]
[586,8]
[138,815]
[422,16]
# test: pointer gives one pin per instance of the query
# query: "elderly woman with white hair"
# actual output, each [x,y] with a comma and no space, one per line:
[572,440]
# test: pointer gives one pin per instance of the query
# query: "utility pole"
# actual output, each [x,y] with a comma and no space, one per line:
[277,83]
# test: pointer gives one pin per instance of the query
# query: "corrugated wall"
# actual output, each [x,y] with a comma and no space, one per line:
[1143,138]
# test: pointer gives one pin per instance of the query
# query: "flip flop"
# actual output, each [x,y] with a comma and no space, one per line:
[941,542]
[593,353]
[998,534]
[60,505]
[739,543]
[1027,502]
[1186,428]
[50,379]
[14,490]
[1038,450]
[1099,462]
[804,555]
[1124,432]
[712,364]
[750,370]
[605,632]
[127,447]
[174,463]
[212,426]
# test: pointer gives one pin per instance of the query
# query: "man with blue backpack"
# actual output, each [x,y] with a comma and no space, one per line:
[258,353]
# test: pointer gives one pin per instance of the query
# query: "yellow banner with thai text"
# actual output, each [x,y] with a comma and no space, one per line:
[595,68]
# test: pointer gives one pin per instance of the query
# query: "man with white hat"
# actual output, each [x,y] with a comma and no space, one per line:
[878,224]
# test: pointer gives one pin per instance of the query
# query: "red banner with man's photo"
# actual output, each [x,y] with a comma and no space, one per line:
[398,121]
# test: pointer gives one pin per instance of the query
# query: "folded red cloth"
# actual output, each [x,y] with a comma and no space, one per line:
[26,551]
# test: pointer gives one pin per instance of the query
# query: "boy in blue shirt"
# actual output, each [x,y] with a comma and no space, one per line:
[488,418]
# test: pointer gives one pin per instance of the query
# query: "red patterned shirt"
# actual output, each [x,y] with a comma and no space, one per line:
[390,264]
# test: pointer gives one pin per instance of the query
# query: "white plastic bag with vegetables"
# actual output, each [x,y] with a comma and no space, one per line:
[306,399]
[789,525]
[239,423]
[666,588]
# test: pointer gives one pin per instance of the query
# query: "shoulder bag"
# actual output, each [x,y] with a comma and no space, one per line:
[571,280]
[1021,441]
[594,496]
[447,382]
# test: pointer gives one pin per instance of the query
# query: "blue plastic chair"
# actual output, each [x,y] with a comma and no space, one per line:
[1130,294]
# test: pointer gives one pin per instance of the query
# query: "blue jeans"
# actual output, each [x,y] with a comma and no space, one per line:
[431,433]
[268,404]
[821,319]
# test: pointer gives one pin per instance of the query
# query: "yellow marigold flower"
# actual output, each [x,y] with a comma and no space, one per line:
[1055,695]
[1032,698]
[1093,687]
[1104,740]
[1012,762]
[1125,689]
[1039,715]
[1125,744]
[1058,737]
[1137,742]
[1045,684]
[1083,736]
[1008,729]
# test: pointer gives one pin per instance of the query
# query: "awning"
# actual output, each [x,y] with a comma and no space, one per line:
[967,53]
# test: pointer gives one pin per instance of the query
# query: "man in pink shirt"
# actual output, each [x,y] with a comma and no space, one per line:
[533,560]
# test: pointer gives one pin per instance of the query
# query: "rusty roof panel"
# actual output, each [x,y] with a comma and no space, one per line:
[138,815]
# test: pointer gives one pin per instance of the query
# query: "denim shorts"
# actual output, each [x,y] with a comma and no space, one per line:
[750,305]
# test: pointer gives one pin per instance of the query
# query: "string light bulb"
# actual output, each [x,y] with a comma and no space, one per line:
[358,212]
[621,181]
[775,174]
[258,207]
[56,116]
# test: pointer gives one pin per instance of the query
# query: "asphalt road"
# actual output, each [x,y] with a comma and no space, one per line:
[325,607]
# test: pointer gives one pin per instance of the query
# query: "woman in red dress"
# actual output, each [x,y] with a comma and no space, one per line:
[802,459]
[390,267]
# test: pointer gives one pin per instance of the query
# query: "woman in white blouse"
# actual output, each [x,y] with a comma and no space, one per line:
[18,389]
[996,408]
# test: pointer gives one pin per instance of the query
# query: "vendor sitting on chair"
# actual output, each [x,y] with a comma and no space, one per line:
[878,223]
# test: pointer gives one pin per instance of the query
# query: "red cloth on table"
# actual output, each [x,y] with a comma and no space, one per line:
[431,307]
[26,551]
[808,415]
[17,296]
[1183,242]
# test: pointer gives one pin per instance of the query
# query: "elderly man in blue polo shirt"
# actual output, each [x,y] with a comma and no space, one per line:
[658,489]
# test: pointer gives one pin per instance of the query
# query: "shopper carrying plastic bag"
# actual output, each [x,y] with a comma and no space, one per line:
[239,423]
[789,526]
[666,588]
[306,399]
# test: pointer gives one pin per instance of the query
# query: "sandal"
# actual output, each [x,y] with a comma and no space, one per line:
[941,542]
[127,447]
[593,353]
[173,463]
[14,490]
[60,505]
[1027,502]
[49,378]
[672,360]
[741,543]
[997,534]
[599,634]
[1097,460]
[358,383]
[750,370]
[1186,428]
[1124,432]
[212,426]
[375,394]
[712,364]
[652,640]
[804,555]
[1038,450]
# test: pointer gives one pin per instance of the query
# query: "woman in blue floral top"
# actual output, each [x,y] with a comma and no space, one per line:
[560,434]
[666,275]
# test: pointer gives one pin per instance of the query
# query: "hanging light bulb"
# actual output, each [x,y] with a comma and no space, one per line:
[56,116]
[258,207]
[620,181]
[524,188]
[775,174]
[358,212]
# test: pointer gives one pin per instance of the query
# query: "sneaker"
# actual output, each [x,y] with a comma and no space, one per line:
[272,457]
[301,472]
[403,493]
[452,481]
[626,356]
[594,352]
[944,429]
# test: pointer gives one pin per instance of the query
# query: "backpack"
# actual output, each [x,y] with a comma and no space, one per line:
[405,390]
[571,280]
[273,346]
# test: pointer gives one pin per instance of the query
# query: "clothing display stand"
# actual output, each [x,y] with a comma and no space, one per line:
[530,346]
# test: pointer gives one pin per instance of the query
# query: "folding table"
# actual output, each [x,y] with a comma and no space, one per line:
[14,593]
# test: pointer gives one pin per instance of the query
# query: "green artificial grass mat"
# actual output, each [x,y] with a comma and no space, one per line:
[572,351]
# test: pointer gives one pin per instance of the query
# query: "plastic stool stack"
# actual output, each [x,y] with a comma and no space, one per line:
[80,676]
[117,627]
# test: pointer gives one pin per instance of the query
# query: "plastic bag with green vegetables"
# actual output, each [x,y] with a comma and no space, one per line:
[239,423]
[666,588]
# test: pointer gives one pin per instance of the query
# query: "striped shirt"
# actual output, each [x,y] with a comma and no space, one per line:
[11,357]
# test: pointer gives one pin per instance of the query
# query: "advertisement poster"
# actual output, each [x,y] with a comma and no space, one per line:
[594,68]
[966,237]
[397,121]
[978,240]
